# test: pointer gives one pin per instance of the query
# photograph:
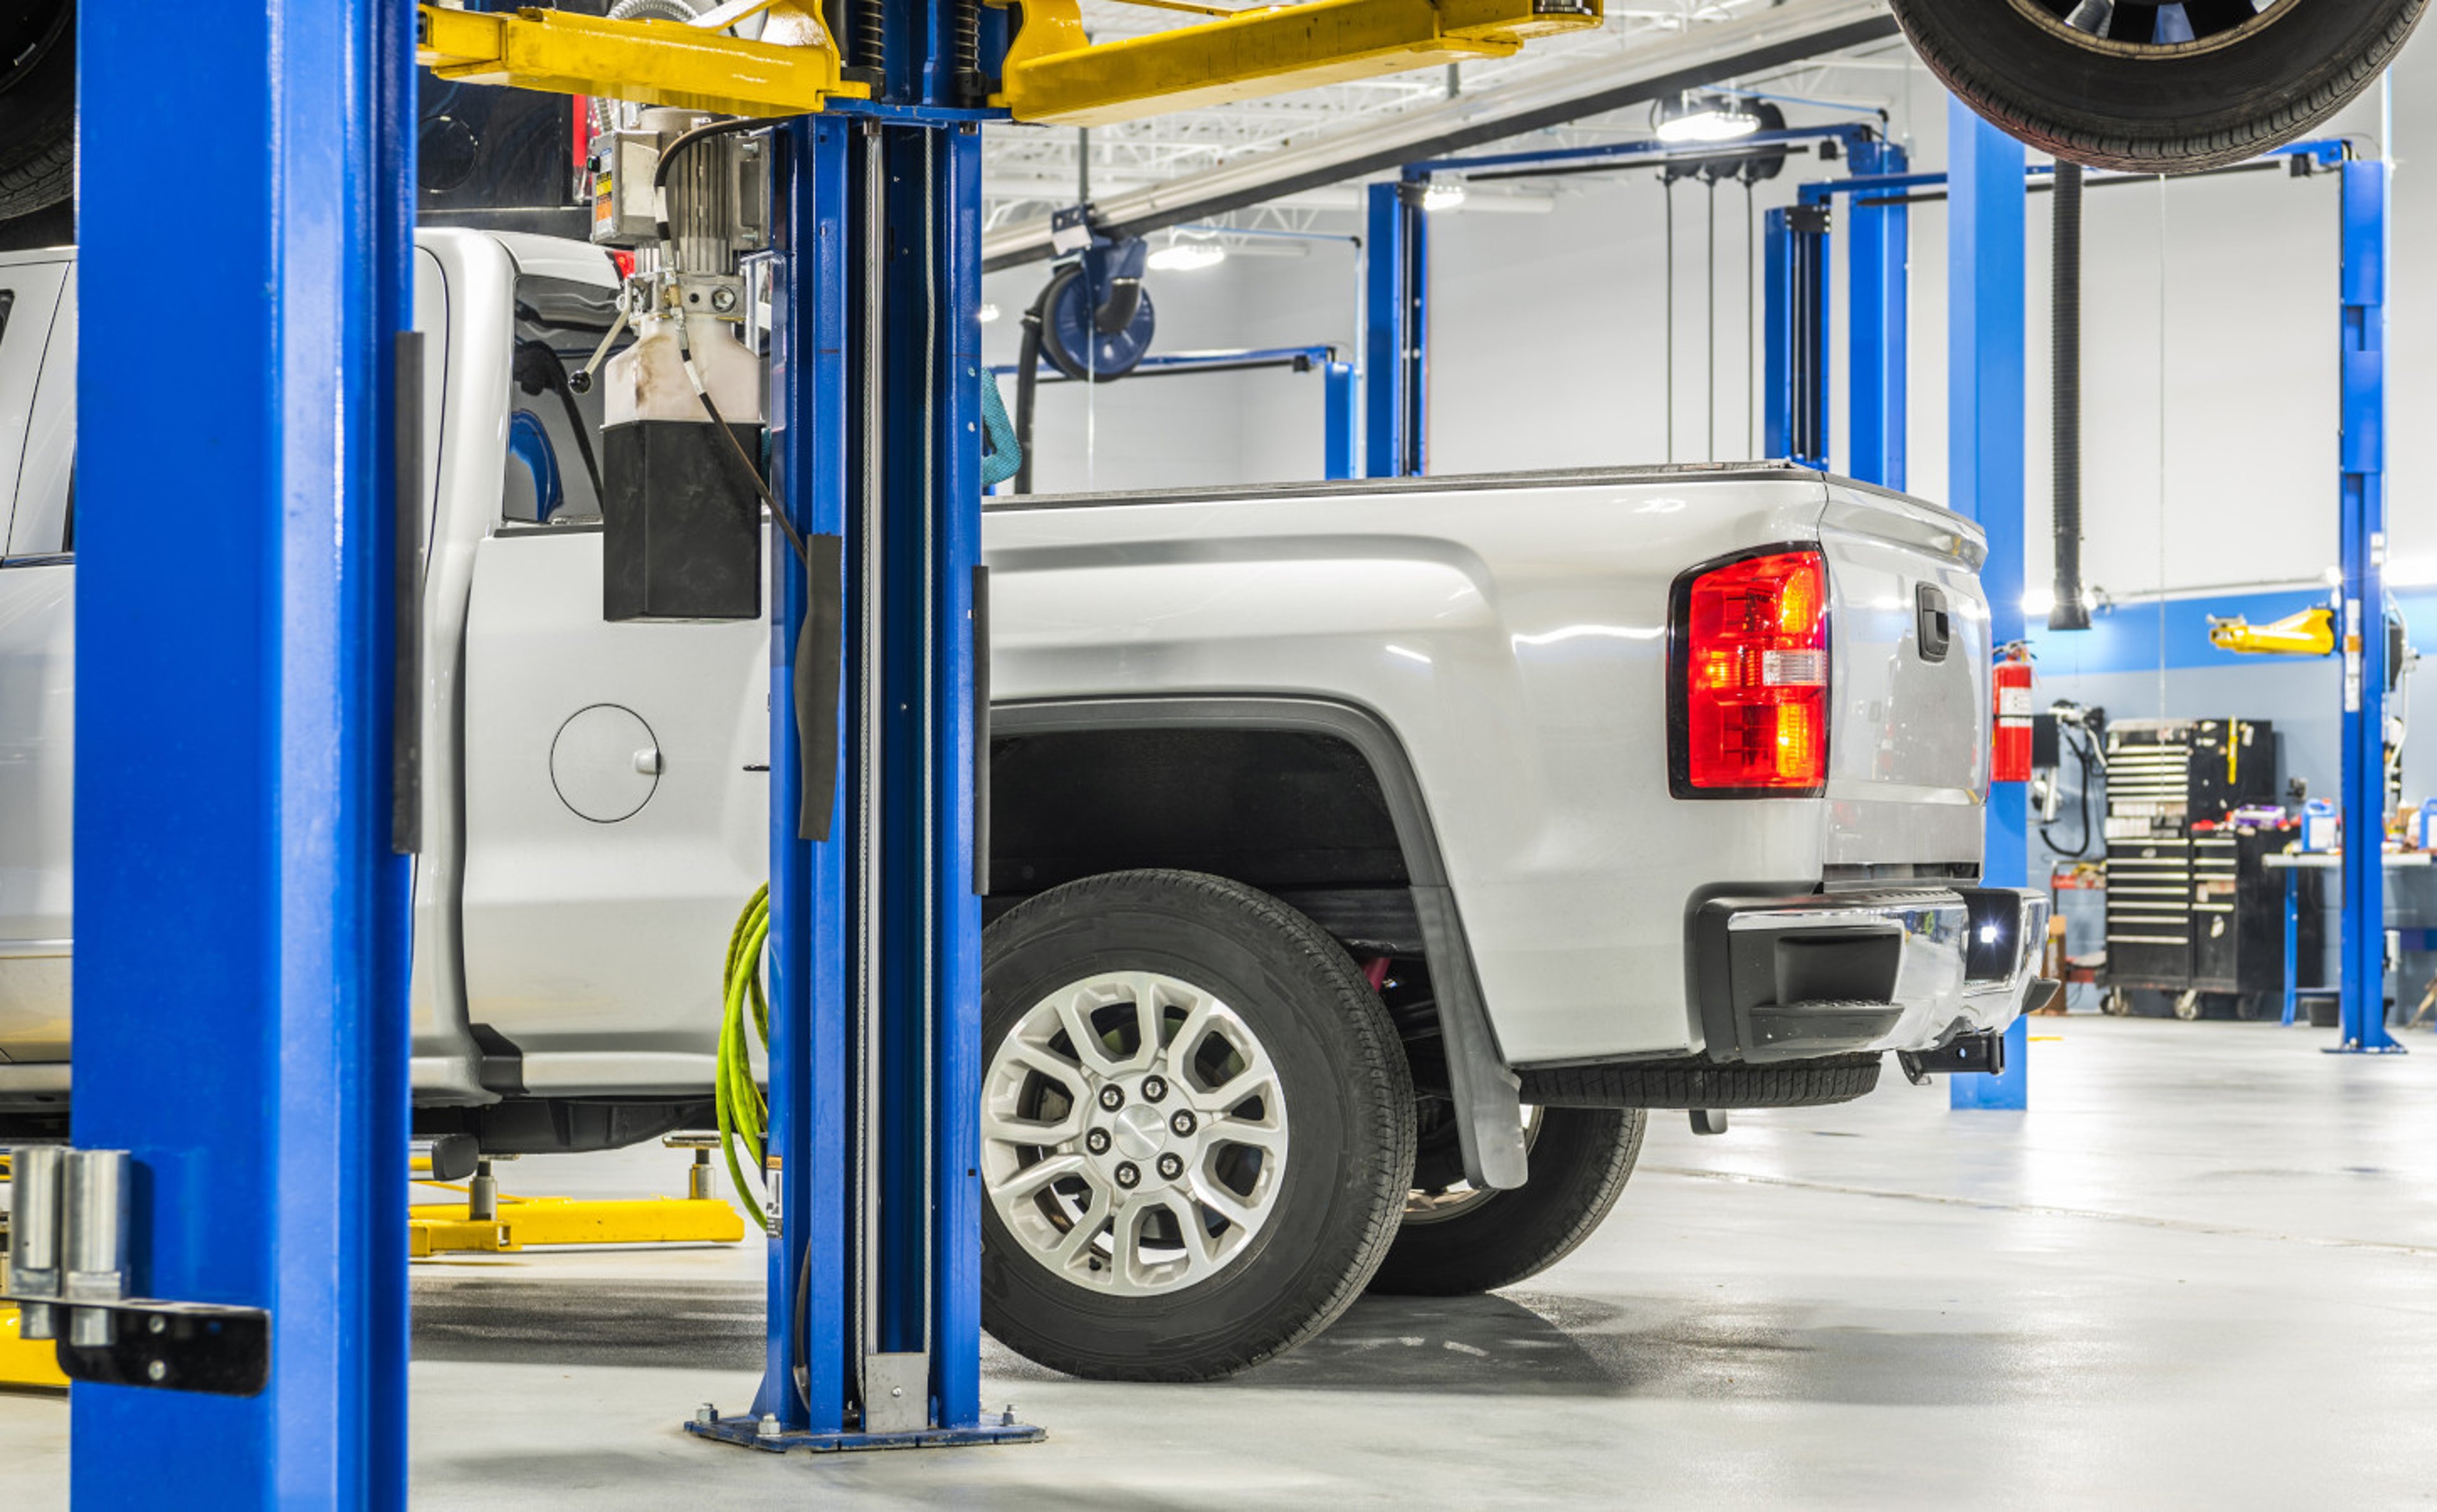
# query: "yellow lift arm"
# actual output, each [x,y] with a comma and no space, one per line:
[1054,73]
[659,62]
[2310,633]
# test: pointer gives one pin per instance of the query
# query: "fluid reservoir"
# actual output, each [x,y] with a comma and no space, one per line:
[681,505]
[681,517]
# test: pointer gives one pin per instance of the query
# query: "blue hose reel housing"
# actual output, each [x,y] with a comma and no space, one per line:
[1099,320]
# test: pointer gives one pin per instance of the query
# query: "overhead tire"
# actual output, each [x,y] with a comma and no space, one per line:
[36,107]
[1455,1240]
[2244,82]
[1111,1005]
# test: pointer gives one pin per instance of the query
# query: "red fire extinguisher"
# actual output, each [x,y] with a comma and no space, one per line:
[2010,761]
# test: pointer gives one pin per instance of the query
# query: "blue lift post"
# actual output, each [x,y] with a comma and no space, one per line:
[242,916]
[1396,363]
[2363,500]
[1984,426]
[1794,366]
[1878,252]
[873,1276]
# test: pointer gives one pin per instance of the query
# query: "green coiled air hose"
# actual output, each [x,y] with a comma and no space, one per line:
[744,1111]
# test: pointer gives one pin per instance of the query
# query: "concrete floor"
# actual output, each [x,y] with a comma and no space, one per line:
[2203,1273]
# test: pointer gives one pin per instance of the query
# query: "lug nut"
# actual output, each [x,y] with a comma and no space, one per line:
[1171,1165]
[1181,1121]
[1096,1141]
[1153,1088]
[1127,1176]
[1112,1098]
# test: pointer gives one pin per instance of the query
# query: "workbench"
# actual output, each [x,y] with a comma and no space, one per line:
[2293,865]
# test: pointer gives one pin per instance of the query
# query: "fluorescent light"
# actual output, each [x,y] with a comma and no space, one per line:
[2411,572]
[1698,117]
[2037,602]
[2333,575]
[990,312]
[1185,256]
[1442,194]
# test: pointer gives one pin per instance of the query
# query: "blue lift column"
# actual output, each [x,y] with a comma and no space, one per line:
[1985,274]
[1878,253]
[2364,523]
[1396,363]
[241,914]
[873,1276]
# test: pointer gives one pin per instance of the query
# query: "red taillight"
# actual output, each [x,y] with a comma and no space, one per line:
[1755,674]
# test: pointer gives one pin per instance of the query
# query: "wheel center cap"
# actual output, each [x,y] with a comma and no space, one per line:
[1139,1132]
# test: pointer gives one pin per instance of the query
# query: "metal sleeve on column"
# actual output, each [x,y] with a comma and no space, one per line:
[820,643]
[406,683]
[981,732]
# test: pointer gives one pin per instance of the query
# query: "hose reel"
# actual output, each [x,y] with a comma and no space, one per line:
[1093,322]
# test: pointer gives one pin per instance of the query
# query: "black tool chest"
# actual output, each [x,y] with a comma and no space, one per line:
[2194,910]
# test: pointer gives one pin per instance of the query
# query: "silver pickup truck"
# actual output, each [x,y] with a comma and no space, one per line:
[1367,857]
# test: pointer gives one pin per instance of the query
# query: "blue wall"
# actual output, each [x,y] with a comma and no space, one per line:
[2116,664]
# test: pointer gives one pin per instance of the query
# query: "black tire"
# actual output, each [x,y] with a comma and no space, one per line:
[1580,1160]
[2245,84]
[37,106]
[1348,1100]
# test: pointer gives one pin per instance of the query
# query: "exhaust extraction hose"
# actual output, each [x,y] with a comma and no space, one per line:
[2069,612]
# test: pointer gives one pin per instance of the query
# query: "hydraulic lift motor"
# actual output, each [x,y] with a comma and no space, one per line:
[681,505]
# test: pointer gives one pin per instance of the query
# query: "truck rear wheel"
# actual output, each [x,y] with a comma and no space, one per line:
[1457,1240]
[1197,1127]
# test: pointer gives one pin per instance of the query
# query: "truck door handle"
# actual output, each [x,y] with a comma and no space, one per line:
[1934,632]
[647,761]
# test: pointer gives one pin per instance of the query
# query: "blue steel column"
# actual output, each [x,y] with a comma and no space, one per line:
[240,919]
[1341,423]
[2363,509]
[1877,250]
[1983,421]
[1396,373]
[809,935]
[956,273]
[1795,359]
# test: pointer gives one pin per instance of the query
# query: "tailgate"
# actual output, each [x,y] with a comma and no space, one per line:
[1908,735]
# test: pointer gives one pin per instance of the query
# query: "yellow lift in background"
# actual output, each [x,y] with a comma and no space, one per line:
[2310,633]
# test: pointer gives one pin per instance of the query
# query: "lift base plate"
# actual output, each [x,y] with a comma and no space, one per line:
[746,1432]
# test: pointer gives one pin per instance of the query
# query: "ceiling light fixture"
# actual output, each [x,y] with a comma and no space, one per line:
[1185,256]
[1442,194]
[1698,115]
[989,312]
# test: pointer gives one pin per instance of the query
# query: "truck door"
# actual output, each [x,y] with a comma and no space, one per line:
[37,650]
[615,774]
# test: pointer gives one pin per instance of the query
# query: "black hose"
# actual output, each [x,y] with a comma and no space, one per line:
[1027,383]
[2069,612]
[2085,757]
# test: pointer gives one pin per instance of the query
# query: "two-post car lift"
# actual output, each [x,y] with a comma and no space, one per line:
[242,640]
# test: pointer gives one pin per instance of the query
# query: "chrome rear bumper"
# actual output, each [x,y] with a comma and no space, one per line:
[1912,969]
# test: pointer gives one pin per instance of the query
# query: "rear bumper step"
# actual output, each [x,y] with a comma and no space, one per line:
[1914,969]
